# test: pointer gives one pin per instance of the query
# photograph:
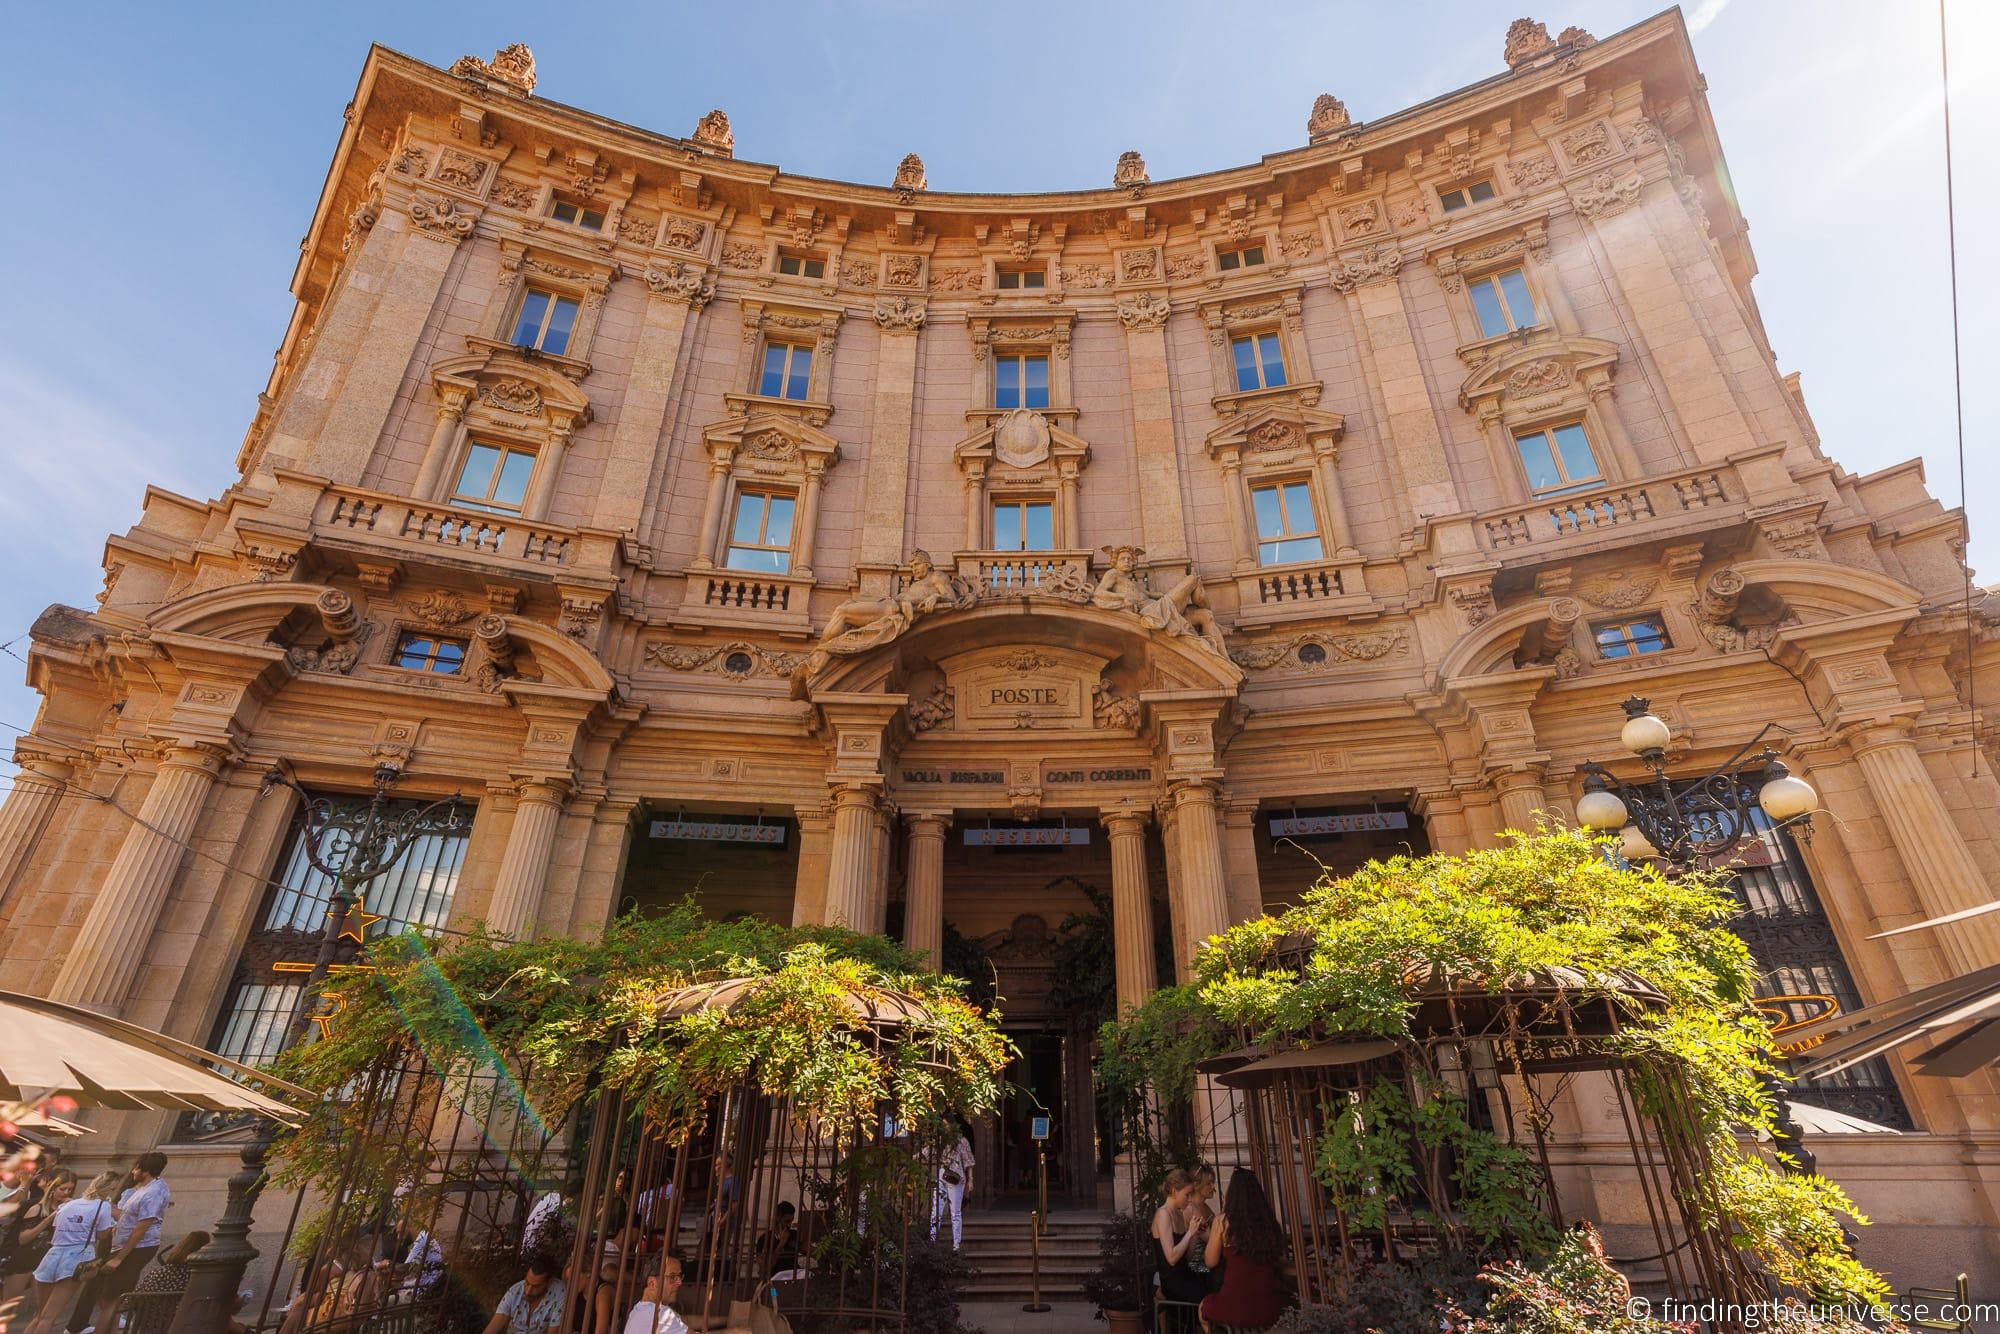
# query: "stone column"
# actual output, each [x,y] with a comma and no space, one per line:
[1072,522]
[450,411]
[38,787]
[711,507]
[1204,893]
[1338,533]
[881,857]
[524,866]
[975,507]
[923,889]
[1942,869]
[542,487]
[808,523]
[1521,795]
[848,859]
[1131,907]
[1239,858]
[111,945]
[1242,526]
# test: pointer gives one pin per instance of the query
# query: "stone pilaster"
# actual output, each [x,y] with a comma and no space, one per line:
[923,891]
[885,493]
[38,787]
[1131,907]
[633,459]
[1447,827]
[881,858]
[1521,795]
[1239,860]
[524,866]
[1389,343]
[111,945]
[1149,381]
[815,847]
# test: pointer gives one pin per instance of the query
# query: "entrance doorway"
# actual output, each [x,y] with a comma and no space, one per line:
[1035,1091]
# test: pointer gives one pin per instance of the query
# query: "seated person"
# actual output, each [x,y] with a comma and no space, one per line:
[534,1305]
[778,1248]
[1248,1244]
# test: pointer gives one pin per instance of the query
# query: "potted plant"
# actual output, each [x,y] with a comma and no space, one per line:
[1124,1275]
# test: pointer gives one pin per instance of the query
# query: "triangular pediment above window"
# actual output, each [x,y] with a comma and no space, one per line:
[1279,430]
[1024,441]
[504,384]
[772,443]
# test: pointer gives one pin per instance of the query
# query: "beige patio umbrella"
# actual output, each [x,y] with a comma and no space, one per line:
[47,1047]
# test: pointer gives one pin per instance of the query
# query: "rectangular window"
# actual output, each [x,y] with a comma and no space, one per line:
[1242,258]
[760,535]
[1629,639]
[1260,362]
[430,653]
[1503,303]
[1016,279]
[1023,525]
[1286,528]
[576,215]
[801,266]
[545,323]
[495,477]
[1465,196]
[787,371]
[1021,381]
[1558,458]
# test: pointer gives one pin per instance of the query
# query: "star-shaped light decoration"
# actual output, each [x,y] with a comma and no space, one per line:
[355,925]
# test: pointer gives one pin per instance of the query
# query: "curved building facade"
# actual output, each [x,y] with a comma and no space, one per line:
[959,565]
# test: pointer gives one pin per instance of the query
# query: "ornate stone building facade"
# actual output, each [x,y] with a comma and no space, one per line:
[954,564]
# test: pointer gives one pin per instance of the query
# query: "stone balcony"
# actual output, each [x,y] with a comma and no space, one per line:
[1654,508]
[997,574]
[749,600]
[1268,594]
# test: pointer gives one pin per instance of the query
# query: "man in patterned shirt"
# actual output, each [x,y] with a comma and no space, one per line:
[534,1305]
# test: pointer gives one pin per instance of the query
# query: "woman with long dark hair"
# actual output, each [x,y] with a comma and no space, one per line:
[1247,1244]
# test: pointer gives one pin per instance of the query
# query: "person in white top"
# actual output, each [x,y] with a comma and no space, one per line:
[651,1314]
[954,1172]
[73,1240]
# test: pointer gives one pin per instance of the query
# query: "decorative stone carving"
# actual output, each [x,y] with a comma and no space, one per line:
[510,193]
[268,563]
[1138,266]
[513,395]
[1616,592]
[580,616]
[636,227]
[1536,376]
[1299,245]
[1028,660]
[860,624]
[774,445]
[1587,145]
[1414,212]
[1274,435]
[683,233]
[512,65]
[346,635]
[1130,173]
[1186,264]
[1475,604]
[1021,438]
[1532,173]
[1374,264]
[1145,311]
[1575,37]
[737,659]
[1361,219]
[1108,708]
[899,314]
[903,271]
[1714,613]
[1607,195]
[910,176]
[932,711]
[442,219]
[438,610]
[460,169]
[739,255]
[1329,115]
[712,132]
[1086,277]
[1334,650]
[681,282]
[1181,610]
[957,280]
[411,161]
[1800,539]
[1526,40]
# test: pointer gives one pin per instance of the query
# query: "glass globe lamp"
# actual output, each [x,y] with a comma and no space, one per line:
[1599,807]
[1645,734]
[1784,797]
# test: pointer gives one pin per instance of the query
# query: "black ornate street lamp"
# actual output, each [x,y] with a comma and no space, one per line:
[353,846]
[1688,824]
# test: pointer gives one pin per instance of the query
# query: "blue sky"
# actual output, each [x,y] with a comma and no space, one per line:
[167,158]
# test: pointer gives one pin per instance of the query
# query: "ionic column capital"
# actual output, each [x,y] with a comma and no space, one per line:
[1126,820]
[928,824]
[543,789]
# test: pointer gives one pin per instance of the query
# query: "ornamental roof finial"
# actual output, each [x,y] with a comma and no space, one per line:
[910,173]
[1527,39]
[512,65]
[1329,116]
[1130,171]
[713,133]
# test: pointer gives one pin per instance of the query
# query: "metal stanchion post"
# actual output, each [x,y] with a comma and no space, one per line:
[1035,1226]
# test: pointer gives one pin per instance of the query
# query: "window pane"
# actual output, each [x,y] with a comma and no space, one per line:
[1539,462]
[758,560]
[593,219]
[1299,508]
[1008,279]
[1577,460]
[1035,279]
[1270,514]
[778,527]
[477,475]
[561,320]
[414,653]
[512,487]
[1006,527]
[530,324]
[1519,304]
[1611,642]
[1288,550]
[1041,528]
[749,523]
[815,268]
[801,377]
[1453,200]
[1274,360]
[1246,362]
[773,382]
[1479,191]
[1254,255]
[1486,304]
[1007,382]
[1648,636]
[450,657]
[563,211]
[1227,260]
[1037,369]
